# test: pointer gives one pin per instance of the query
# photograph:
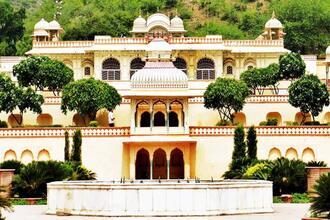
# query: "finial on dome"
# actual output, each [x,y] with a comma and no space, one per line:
[273,15]
[176,12]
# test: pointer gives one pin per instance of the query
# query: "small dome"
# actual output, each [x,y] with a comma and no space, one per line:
[159,75]
[140,22]
[54,25]
[158,19]
[41,25]
[158,44]
[273,22]
[176,22]
[328,50]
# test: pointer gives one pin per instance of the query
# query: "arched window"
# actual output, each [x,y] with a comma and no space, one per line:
[44,119]
[291,154]
[87,71]
[159,119]
[26,157]
[176,164]
[205,69]
[229,70]
[10,155]
[43,155]
[173,119]
[274,153]
[159,165]
[111,69]
[136,64]
[145,119]
[180,64]
[250,67]
[142,165]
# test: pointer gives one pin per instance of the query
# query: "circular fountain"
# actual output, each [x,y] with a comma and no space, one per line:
[159,198]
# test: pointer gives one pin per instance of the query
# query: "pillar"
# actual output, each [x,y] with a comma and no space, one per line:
[167,114]
[151,163]
[132,163]
[186,116]
[125,67]
[133,113]
[151,110]
[218,61]
[168,157]
[98,59]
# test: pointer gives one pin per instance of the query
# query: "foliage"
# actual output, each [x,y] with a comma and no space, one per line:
[5,204]
[314,163]
[288,176]
[269,122]
[66,146]
[33,178]
[11,28]
[253,79]
[227,96]
[56,74]
[308,94]
[224,123]
[76,147]
[251,142]
[260,170]
[300,198]
[3,124]
[321,202]
[12,164]
[13,97]
[28,72]
[87,96]
[82,173]
[93,124]
[291,66]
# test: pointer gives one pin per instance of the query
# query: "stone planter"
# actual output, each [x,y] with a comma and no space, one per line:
[6,177]
[286,198]
[313,174]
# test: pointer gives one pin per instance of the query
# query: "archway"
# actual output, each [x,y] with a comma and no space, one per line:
[142,165]
[14,119]
[274,153]
[205,69]
[136,64]
[326,118]
[173,119]
[44,119]
[159,165]
[79,121]
[239,118]
[10,155]
[43,155]
[159,119]
[276,115]
[145,119]
[299,116]
[26,157]
[111,69]
[180,64]
[308,155]
[176,164]
[291,154]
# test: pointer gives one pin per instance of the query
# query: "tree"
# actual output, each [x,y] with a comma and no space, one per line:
[12,97]
[67,147]
[56,74]
[76,147]
[87,96]
[272,76]
[28,72]
[227,96]
[239,144]
[320,202]
[253,80]
[291,66]
[11,28]
[251,142]
[310,95]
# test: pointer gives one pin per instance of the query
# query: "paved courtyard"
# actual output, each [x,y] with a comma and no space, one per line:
[282,212]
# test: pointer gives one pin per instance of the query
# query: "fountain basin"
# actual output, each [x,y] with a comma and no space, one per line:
[167,198]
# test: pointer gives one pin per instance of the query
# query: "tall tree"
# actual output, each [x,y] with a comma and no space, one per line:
[310,95]
[291,66]
[239,144]
[87,96]
[251,142]
[11,28]
[227,96]
[76,147]
[66,146]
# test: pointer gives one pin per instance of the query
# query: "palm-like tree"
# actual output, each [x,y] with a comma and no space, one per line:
[321,203]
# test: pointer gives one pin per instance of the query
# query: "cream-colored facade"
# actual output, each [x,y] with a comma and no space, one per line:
[162,129]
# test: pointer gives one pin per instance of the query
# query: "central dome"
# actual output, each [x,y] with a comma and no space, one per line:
[159,75]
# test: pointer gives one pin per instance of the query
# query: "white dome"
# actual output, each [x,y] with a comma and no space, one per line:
[158,44]
[41,25]
[54,25]
[158,19]
[139,22]
[328,50]
[176,22]
[273,22]
[159,75]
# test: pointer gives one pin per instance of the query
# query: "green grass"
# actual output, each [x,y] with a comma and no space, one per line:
[296,198]
[24,202]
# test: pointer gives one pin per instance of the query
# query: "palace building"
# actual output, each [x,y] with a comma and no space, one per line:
[162,129]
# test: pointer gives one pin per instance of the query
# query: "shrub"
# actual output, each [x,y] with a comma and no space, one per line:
[315,163]
[82,173]
[260,171]
[251,142]
[224,123]
[93,124]
[321,203]
[312,123]
[12,164]
[263,123]
[269,122]
[291,123]
[3,124]
[66,146]
[76,147]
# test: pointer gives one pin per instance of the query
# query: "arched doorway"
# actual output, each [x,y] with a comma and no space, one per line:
[176,164]
[142,165]
[159,165]
[145,119]
[159,119]
[173,119]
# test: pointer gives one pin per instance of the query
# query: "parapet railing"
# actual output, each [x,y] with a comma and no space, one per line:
[59,132]
[262,130]
[253,99]
[253,42]
[37,44]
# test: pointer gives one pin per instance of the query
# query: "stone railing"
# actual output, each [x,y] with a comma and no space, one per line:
[56,100]
[196,40]
[262,130]
[59,132]
[235,43]
[253,99]
[63,44]
[120,40]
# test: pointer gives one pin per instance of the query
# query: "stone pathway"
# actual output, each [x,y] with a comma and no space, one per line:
[282,212]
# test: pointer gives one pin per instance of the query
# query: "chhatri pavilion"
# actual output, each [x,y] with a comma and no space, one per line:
[162,129]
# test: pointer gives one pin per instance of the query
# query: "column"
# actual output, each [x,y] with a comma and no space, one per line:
[186,116]
[151,163]
[133,113]
[218,61]
[167,114]
[186,159]
[168,157]
[151,113]
[132,163]
[76,67]
[98,59]
[125,67]
[191,66]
